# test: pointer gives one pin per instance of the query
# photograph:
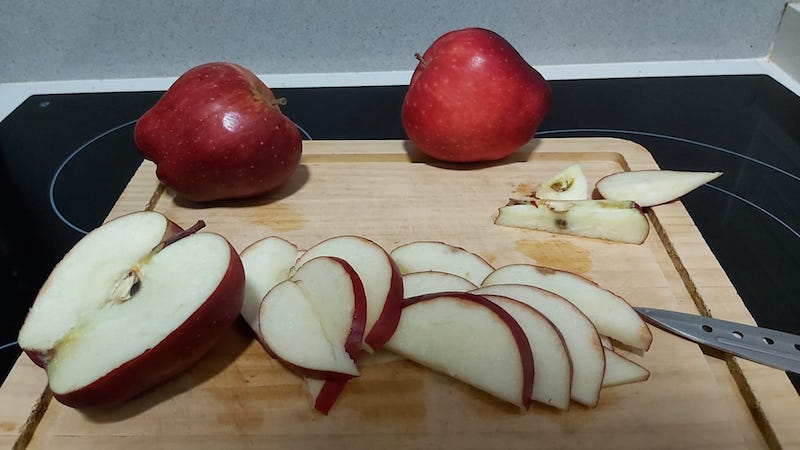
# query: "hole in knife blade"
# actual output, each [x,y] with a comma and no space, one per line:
[769,340]
[707,328]
[737,334]
[797,347]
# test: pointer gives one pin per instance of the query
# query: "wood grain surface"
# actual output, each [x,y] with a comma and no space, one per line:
[237,397]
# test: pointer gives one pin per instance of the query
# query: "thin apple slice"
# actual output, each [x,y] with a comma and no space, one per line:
[611,220]
[652,187]
[420,256]
[382,282]
[611,314]
[324,393]
[553,380]
[580,336]
[621,370]
[469,338]
[428,282]
[314,321]
[266,263]
[568,184]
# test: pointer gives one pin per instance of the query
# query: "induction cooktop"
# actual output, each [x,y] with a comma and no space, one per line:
[67,157]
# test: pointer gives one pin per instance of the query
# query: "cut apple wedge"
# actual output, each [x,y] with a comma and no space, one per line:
[621,370]
[469,338]
[553,380]
[382,282]
[314,322]
[266,263]
[612,220]
[133,303]
[568,184]
[420,256]
[580,337]
[652,187]
[611,314]
[418,283]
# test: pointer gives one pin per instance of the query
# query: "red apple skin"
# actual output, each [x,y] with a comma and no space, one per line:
[218,133]
[330,392]
[384,327]
[180,350]
[473,98]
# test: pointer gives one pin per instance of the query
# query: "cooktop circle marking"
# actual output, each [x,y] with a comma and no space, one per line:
[9,345]
[749,203]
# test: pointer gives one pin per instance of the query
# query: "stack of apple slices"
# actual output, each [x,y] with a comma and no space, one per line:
[521,333]
[562,204]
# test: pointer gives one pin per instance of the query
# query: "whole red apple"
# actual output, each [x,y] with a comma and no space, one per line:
[218,133]
[472,98]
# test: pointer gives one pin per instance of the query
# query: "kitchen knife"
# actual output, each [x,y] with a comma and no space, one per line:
[762,345]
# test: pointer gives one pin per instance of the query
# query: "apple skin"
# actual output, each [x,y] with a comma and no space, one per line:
[218,133]
[177,352]
[473,98]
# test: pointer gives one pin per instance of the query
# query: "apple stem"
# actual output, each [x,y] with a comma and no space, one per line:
[179,235]
[421,60]
[279,101]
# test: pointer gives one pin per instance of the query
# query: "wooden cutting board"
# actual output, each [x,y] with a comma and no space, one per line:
[237,397]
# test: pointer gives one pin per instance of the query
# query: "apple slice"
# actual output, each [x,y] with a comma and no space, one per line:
[266,263]
[612,220]
[418,283]
[610,313]
[580,336]
[553,380]
[621,370]
[652,187]
[569,184]
[420,256]
[133,303]
[469,338]
[382,282]
[314,322]
[324,393]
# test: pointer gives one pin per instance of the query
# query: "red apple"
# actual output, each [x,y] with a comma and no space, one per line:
[218,133]
[473,97]
[133,303]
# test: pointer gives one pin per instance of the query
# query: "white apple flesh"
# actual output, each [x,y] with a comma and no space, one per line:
[418,283]
[469,338]
[621,370]
[652,187]
[611,314]
[568,184]
[420,256]
[132,304]
[612,220]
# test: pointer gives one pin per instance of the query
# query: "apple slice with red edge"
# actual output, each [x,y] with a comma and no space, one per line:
[568,184]
[611,314]
[418,283]
[611,220]
[108,325]
[553,380]
[580,336]
[420,256]
[314,322]
[381,279]
[652,187]
[469,338]
[621,370]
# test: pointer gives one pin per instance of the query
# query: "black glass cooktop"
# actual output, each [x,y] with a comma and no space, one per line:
[66,158]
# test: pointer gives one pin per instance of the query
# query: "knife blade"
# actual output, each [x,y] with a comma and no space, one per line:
[763,345]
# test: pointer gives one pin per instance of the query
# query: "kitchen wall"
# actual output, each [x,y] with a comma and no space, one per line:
[90,39]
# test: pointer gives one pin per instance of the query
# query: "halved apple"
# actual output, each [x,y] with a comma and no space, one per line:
[652,187]
[420,256]
[568,184]
[553,379]
[611,314]
[612,220]
[580,337]
[418,283]
[469,338]
[382,282]
[314,322]
[133,303]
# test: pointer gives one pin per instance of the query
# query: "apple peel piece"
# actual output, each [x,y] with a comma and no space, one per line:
[419,256]
[568,184]
[611,220]
[652,187]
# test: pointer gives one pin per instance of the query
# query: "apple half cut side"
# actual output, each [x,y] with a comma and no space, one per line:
[108,325]
[568,184]
[580,337]
[652,187]
[469,338]
[553,380]
[611,220]
[418,283]
[314,321]
[420,256]
[611,314]
[266,263]
[381,279]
